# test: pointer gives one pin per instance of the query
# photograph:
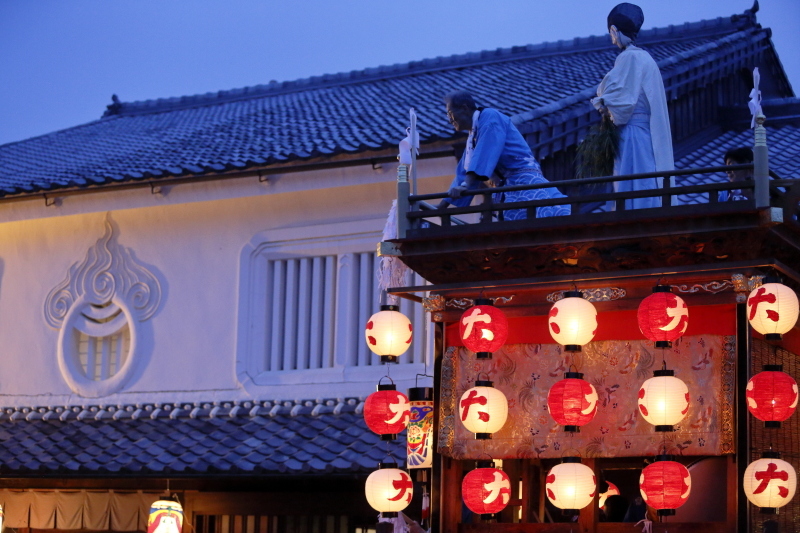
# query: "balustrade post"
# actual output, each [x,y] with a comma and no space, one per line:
[402,200]
[761,164]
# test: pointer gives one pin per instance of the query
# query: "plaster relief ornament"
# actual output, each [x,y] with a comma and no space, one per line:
[98,309]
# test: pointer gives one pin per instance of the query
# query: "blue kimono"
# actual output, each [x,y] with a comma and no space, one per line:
[499,148]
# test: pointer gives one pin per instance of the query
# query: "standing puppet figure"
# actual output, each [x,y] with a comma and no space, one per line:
[632,93]
[496,150]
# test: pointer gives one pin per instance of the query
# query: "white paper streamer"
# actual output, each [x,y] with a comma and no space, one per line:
[755,98]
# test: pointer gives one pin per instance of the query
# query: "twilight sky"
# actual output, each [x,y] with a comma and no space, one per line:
[61,60]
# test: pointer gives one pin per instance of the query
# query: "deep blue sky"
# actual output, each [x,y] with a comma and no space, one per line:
[61,60]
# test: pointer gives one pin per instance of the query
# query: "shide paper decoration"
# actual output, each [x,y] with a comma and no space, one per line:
[769,482]
[389,489]
[665,485]
[483,409]
[663,317]
[571,485]
[388,333]
[572,321]
[483,328]
[486,490]
[772,395]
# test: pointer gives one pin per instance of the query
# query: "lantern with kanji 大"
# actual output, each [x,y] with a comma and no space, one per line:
[486,490]
[772,309]
[166,516]
[419,439]
[572,402]
[483,409]
[389,489]
[663,317]
[769,482]
[613,490]
[572,321]
[663,400]
[665,485]
[771,395]
[387,411]
[388,333]
[483,328]
[570,485]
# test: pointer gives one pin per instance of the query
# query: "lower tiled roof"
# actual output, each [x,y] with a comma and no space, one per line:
[254,442]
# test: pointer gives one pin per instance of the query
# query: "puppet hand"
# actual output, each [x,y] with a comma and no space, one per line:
[456,192]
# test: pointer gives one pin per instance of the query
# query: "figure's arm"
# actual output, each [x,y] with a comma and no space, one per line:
[619,91]
[487,151]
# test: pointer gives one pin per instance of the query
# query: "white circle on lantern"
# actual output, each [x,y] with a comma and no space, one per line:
[765,486]
[665,400]
[389,490]
[483,409]
[576,320]
[570,485]
[772,308]
[388,333]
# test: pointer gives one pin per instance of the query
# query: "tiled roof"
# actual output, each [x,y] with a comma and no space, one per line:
[328,115]
[258,439]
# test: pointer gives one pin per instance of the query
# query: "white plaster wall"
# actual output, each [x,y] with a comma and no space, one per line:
[192,237]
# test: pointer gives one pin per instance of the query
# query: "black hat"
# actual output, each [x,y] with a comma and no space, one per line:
[628,18]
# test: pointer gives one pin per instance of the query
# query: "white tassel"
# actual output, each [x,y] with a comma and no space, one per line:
[391,271]
[398,523]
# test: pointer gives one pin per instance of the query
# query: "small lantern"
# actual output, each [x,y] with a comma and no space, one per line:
[571,485]
[665,485]
[613,490]
[772,395]
[486,490]
[664,400]
[387,411]
[389,489]
[419,438]
[769,482]
[572,321]
[572,402]
[166,516]
[663,317]
[483,409]
[388,333]
[772,309]
[483,328]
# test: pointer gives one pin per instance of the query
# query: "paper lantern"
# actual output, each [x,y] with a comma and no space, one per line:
[486,490]
[570,485]
[419,438]
[665,485]
[613,490]
[663,317]
[389,489]
[387,411]
[483,409]
[388,333]
[772,309]
[483,328]
[663,400]
[572,321]
[572,402]
[769,482]
[772,395]
[166,516]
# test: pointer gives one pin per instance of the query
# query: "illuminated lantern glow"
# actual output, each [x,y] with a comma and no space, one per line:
[772,309]
[419,438]
[483,328]
[772,395]
[769,482]
[663,317]
[571,485]
[388,333]
[483,409]
[389,489]
[613,490]
[486,490]
[663,400]
[572,321]
[166,516]
[572,402]
[665,485]
[387,411]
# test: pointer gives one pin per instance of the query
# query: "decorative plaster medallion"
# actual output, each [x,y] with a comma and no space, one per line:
[601,294]
[100,304]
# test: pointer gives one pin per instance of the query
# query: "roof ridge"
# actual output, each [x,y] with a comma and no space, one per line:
[654,35]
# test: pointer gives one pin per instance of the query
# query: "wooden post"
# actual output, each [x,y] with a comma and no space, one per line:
[587,521]
[402,200]
[742,456]
[761,164]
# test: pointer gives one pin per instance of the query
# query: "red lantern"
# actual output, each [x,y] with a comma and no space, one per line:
[486,490]
[572,402]
[663,317]
[387,411]
[665,485]
[483,328]
[772,395]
